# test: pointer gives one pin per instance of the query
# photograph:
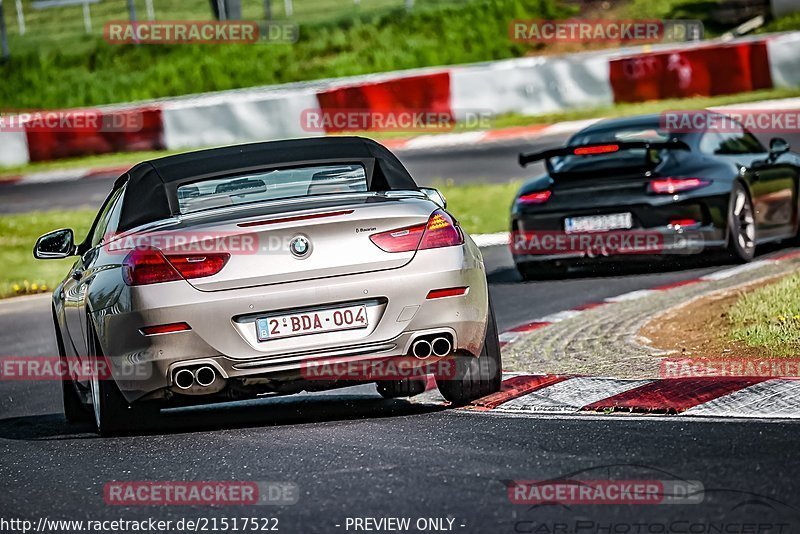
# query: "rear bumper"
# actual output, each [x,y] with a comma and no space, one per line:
[653,235]
[396,300]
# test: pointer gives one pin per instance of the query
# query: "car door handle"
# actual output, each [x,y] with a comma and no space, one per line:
[77,274]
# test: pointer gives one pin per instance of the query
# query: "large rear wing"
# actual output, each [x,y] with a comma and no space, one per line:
[601,148]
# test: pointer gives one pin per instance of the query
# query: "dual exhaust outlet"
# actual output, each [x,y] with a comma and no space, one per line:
[202,376]
[431,346]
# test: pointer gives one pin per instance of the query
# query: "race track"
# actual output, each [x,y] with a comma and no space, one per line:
[355,455]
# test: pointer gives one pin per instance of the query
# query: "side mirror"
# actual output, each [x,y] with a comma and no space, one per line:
[55,245]
[435,196]
[777,146]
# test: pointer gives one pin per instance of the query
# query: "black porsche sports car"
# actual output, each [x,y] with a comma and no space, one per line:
[624,188]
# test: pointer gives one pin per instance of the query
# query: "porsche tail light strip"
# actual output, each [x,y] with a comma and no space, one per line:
[683,223]
[539,197]
[146,266]
[670,186]
[448,292]
[440,231]
[294,219]
[597,149]
[165,329]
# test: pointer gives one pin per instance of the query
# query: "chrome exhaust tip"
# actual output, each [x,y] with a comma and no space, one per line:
[421,349]
[184,379]
[441,346]
[205,376]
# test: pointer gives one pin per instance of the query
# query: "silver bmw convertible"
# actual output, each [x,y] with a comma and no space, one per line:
[264,269]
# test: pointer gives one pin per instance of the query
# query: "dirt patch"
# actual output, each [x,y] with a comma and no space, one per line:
[699,328]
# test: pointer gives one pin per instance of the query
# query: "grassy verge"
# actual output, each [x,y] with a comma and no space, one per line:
[20,273]
[56,64]
[769,317]
[505,121]
[92,72]
[479,208]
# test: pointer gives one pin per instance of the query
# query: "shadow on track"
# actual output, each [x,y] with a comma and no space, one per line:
[276,411]
[607,268]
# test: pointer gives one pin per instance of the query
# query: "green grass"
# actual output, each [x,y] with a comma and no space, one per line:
[20,273]
[783,24]
[505,121]
[769,317]
[91,72]
[479,208]
[56,64]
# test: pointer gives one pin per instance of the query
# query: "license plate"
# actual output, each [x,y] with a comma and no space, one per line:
[298,324]
[599,223]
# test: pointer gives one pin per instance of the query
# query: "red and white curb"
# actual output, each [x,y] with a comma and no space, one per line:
[514,334]
[745,397]
[724,397]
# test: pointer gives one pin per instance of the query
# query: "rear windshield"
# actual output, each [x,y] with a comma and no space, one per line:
[611,160]
[271,185]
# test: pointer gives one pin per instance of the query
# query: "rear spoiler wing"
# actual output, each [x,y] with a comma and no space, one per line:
[601,148]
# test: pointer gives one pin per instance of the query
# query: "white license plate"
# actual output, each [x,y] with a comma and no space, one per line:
[599,223]
[298,324]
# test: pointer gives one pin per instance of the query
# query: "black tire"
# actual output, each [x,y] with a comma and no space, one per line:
[475,377]
[540,270]
[741,226]
[406,387]
[74,409]
[112,413]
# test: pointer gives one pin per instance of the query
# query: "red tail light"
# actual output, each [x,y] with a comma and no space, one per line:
[599,149]
[539,197]
[199,265]
[165,329]
[444,293]
[440,231]
[400,240]
[670,186]
[150,266]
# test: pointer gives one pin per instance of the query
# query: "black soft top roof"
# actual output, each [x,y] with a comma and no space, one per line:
[151,193]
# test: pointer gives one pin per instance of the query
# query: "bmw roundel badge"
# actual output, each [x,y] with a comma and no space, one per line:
[300,246]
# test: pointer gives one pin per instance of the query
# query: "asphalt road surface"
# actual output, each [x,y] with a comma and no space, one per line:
[355,456]
[487,162]
[495,163]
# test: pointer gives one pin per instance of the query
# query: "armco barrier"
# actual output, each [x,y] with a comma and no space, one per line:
[533,85]
[426,92]
[44,144]
[13,149]
[784,59]
[219,120]
[704,71]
